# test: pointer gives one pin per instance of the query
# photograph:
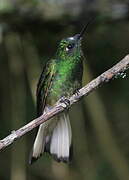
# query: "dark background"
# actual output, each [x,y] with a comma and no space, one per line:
[29,34]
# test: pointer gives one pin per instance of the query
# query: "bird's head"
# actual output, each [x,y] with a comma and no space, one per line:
[71,46]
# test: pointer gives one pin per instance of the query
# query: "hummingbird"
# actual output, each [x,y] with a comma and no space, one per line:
[61,77]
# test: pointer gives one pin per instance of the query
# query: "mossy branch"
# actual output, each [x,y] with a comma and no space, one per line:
[108,75]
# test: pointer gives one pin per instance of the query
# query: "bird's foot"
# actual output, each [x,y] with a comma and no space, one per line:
[76,92]
[64,100]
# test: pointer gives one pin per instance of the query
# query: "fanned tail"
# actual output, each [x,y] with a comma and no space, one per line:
[57,133]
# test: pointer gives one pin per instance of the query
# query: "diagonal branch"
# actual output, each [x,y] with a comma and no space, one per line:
[108,75]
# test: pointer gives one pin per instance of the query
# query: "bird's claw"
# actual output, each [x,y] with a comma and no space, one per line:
[65,101]
[76,92]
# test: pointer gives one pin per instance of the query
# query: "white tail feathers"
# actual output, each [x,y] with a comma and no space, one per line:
[39,143]
[43,136]
[58,132]
[61,139]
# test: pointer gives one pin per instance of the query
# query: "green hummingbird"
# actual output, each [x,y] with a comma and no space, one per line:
[61,77]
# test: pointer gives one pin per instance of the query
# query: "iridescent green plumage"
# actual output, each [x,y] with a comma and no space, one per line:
[62,76]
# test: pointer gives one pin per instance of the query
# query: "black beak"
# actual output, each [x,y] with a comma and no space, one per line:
[84,29]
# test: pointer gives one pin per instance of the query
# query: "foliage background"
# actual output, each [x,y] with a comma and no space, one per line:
[29,34]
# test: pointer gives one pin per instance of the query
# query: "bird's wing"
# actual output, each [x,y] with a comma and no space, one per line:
[44,85]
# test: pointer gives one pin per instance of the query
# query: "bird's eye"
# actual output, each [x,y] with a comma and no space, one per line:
[70,46]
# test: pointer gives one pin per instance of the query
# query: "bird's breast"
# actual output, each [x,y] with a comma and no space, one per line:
[66,80]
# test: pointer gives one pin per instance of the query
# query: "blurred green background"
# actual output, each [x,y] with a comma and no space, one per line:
[29,33]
